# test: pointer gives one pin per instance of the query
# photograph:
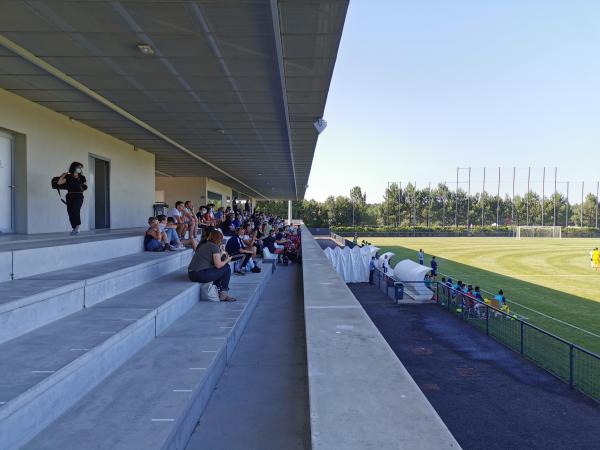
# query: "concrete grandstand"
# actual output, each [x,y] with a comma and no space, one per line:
[106,346]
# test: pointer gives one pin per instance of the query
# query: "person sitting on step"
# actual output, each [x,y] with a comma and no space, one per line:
[236,246]
[211,264]
[153,239]
[177,214]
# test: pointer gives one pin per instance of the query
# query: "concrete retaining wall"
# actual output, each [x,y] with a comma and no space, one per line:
[361,396]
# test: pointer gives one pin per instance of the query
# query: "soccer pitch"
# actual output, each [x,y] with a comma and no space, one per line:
[547,281]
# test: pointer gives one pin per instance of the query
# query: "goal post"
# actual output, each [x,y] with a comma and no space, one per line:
[532,231]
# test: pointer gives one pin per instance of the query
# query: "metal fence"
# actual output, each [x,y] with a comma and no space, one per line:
[573,364]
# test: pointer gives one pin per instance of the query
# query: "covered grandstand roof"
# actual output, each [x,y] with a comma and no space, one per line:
[227,89]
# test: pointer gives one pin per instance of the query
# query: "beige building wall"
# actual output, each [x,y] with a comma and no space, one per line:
[173,189]
[46,143]
[219,188]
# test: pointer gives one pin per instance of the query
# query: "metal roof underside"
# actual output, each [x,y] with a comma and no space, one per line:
[216,67]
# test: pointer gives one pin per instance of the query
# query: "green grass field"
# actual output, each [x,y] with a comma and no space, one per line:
[547,281]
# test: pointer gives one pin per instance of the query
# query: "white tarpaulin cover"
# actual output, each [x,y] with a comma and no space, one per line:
[352,265]
[407,270]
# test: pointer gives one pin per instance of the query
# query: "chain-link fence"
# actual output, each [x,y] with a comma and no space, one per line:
[567,361]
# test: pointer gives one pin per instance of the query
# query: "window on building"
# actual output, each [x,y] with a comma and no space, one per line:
[213,197]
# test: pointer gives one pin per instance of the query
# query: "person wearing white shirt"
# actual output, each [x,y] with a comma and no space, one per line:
[190,219]
[177,214]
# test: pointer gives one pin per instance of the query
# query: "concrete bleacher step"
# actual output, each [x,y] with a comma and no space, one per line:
[20,259]
[46,371]
[155,399]
[29,303]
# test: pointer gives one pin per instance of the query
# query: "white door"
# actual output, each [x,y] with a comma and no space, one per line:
[6,184]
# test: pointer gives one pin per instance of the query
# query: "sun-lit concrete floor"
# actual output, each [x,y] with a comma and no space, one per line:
[261,402]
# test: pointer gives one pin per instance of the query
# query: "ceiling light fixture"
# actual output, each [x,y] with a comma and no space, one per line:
[220,131]
[145,49]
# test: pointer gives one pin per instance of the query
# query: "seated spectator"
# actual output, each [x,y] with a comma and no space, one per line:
[479,302]
[262,230]
[169,231]
[190,219]
[250,238]
[173,239]
[236,246]
[269,243]
[500,297]
[227,226]
[208,218]
[177,214]
[470,298]
[200,213]
[211,264]
[153,237]
[237,222]
[427,281]
[219,216]
[280,236]
[211,211]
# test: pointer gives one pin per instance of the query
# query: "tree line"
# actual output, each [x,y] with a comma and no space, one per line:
[440,207]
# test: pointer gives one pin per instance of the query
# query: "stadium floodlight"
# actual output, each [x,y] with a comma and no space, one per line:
[533,231]
[320,125]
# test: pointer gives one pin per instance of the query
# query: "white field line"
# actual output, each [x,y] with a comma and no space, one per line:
[554,318]
[545,315]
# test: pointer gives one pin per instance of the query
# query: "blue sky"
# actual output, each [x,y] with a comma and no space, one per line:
[421,87]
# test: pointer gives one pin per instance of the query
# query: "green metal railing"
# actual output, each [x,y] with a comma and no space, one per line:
[578,367]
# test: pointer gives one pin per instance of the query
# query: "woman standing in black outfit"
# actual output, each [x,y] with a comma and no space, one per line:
[75,184]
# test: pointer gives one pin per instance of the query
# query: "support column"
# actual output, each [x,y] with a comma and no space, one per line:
[289,212]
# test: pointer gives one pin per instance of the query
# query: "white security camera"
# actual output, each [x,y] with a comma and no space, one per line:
[320,124]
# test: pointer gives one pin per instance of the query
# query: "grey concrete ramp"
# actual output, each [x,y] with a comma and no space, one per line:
[261,402]
[361,396]
[154,400]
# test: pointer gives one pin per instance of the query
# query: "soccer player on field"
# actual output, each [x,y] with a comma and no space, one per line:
[596,258]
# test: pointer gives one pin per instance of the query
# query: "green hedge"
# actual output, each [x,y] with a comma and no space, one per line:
[584,232]
[390,229]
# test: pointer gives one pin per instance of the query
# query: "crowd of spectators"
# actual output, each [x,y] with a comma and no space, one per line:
[225,241]
[470,299]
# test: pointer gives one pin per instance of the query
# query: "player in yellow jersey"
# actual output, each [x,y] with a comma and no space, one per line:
[596,258]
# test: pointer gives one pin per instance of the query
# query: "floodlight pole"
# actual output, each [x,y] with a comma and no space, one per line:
[415,206]
[483,201]
[456,202]
[469,199]
[581,209]
[597,192]
[428,204]
[555,194]
[543,193]
[567,209]
[444,206]
[399,200]
[387,204]
[498,202]
[512,208]
[527,196]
